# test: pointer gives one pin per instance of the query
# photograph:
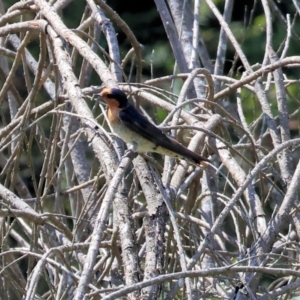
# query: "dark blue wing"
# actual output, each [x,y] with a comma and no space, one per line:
[136,122]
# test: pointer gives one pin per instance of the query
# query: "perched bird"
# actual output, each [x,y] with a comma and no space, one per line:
[133,128]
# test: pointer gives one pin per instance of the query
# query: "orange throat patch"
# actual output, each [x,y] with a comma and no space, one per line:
[113,111]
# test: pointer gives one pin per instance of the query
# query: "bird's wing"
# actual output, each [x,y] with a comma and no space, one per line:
[136,122]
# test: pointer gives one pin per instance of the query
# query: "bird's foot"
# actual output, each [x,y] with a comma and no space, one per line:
[132,146]
[128,152]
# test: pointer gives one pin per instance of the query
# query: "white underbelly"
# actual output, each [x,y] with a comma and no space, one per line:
[139,143]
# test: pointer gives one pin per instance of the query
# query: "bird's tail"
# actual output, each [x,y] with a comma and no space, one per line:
[198,159]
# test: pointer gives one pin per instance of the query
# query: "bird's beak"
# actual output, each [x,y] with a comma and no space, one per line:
[101,99]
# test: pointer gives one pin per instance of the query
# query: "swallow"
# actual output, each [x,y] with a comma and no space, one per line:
[135,129]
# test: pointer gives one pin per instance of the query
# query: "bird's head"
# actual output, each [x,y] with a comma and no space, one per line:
[114,97]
